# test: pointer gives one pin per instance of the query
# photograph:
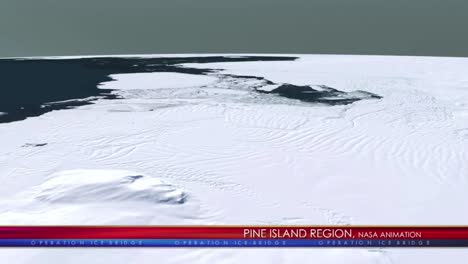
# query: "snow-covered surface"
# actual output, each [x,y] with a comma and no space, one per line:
[97,196]
[156,80]
[225,155]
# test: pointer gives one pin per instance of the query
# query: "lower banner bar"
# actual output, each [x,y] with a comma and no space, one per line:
[228,243]
[232,236]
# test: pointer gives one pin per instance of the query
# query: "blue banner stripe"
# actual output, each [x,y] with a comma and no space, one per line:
[228,243]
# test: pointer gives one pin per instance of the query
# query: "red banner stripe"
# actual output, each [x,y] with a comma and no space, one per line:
[229,232]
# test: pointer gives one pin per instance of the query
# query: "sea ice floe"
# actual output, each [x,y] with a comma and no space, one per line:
[156,80]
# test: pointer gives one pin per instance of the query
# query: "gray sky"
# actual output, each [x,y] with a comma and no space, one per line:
[72,27]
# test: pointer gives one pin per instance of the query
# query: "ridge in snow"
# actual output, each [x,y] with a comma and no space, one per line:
[99,197]
[85,186]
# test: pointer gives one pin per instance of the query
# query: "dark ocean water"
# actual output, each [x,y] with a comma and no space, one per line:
[27,86]
[33,87]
